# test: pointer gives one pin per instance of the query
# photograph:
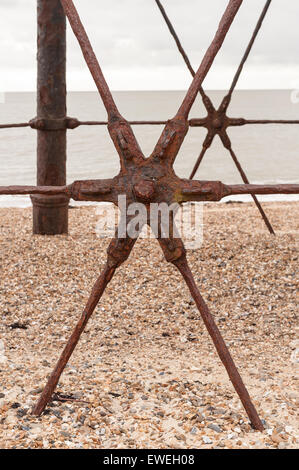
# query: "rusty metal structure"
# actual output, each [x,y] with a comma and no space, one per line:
[50,213]
[217,121]
[147,180]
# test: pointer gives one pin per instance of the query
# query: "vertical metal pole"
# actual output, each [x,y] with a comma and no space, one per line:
[50,213]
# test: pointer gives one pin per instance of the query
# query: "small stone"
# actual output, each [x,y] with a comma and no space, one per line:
[206,440]
[194,430]
[219,411]
[36,391]
[115,394]
[25,428]
[198,418]
[276,438]
[294,344]
[15,405]
[21,413]
[45,363]
[215,427]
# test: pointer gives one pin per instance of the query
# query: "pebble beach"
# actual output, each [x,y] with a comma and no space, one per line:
[145,373]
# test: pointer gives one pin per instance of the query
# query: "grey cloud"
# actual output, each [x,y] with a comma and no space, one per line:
[130,33]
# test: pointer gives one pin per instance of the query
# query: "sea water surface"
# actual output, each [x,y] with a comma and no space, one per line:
[268,153]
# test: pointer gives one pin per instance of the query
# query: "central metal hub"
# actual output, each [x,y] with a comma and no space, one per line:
[217,122]
[144,190]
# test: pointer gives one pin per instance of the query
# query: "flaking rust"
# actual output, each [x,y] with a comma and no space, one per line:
[149,180]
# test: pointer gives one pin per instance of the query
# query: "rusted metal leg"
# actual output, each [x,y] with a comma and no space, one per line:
[206,144]
[174,252]
[224,26]
[257,28]
[219,343]
[176,38]
[118,252]
[50,213]
[246,181]
[93,300]
[198,162]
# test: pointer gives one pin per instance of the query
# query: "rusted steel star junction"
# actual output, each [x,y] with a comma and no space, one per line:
[141,179]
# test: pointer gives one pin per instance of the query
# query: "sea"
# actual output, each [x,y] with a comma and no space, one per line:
[269,154]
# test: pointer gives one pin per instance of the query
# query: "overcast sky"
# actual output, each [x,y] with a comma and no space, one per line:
[136,51]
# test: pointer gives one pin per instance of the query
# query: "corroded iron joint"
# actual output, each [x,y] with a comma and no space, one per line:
[173,249]
[144,190]
[119,250]
[201,191]
[197,122]
[171,139]
[43,124]
[124,141]
[92,190]
[72,123]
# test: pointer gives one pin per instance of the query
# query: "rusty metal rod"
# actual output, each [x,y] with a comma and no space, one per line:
[47,190]
[198,162]
[10,126]
[175,37]
[97,292]
[178,43]
[262,189]
[270,121]
[202,122]
[118,251]
[176,129]
[100,188]
[192,123]
[119,129]
[247,52]
[74,123]
[132,123]
[222,350]
[224,26]
[256,201]
[90,57]
[50,214]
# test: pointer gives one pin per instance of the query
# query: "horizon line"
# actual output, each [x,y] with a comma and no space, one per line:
[158,90]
